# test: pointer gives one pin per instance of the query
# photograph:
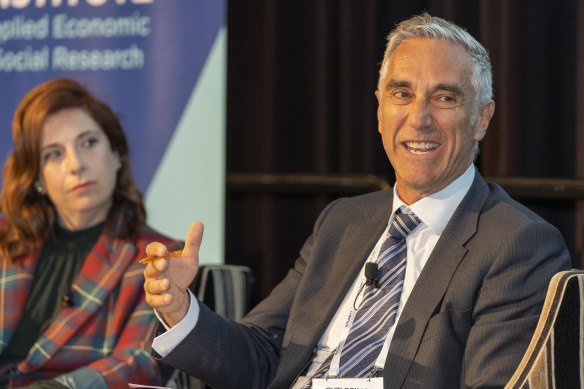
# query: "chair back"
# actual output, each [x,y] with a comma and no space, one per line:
[226,289]
[555,356]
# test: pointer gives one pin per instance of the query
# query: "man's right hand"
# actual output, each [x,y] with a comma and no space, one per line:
[166,280]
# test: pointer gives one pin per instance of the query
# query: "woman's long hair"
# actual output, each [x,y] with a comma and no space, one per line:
[30,215]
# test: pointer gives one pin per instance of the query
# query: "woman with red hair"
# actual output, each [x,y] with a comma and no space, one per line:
[73,312]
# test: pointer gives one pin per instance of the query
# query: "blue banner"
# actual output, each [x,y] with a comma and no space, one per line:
[147,59]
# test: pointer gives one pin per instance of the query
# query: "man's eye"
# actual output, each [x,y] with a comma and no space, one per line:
[445,101]
[401,97]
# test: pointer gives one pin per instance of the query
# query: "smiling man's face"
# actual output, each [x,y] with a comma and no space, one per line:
[427,116]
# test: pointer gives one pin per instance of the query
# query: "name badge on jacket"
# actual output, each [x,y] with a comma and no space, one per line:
[348,383]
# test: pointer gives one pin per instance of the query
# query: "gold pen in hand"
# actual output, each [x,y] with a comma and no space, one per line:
[152,258]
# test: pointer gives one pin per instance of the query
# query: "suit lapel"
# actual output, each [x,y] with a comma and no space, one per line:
[320,307]
[323,289]
[432,284]
[98,276]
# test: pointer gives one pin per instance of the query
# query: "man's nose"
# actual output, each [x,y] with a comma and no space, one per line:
[420,115]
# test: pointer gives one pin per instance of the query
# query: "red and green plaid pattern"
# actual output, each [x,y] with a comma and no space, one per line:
[108,327]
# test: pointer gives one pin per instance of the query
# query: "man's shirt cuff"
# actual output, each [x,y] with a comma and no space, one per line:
[164,343]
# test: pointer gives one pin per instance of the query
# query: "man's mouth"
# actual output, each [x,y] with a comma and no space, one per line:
[421,147]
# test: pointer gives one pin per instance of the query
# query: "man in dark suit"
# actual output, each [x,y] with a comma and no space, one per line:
[475,265]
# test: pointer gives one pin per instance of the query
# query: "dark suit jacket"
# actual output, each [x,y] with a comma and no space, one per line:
[466,323]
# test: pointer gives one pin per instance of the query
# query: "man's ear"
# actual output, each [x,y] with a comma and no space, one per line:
[484,119]
[378,96]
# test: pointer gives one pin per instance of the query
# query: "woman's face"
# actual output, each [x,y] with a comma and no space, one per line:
[78,168]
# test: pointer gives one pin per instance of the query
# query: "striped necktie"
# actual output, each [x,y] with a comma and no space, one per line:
[378,309]
[379,306]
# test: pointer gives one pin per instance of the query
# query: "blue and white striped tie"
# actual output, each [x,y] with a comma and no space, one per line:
[378,309]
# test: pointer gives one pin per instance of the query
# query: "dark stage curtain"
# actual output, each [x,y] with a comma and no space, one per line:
[301,82]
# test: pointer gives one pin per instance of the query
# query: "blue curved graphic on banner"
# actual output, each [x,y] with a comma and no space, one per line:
[142,57]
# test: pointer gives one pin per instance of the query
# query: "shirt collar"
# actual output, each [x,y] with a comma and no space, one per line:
[436,209]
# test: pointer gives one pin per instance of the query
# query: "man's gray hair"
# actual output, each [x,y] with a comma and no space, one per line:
[427,26]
